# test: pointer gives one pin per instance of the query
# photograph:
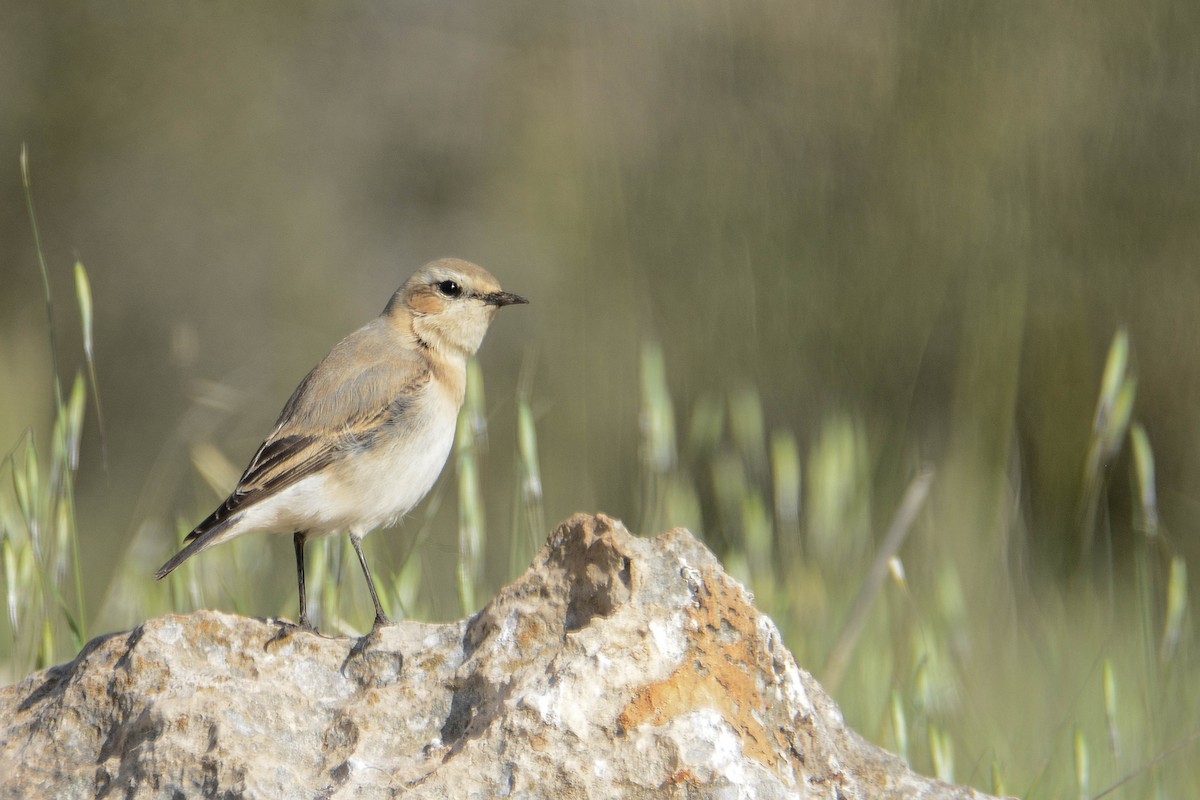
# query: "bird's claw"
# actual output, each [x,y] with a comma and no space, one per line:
[287,629]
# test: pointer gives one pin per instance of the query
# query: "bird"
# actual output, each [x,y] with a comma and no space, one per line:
[365,435]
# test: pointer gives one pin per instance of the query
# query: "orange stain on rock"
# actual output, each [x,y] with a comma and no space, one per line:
[725,655]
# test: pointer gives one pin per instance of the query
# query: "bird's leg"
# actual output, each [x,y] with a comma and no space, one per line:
[298,540]
[286,629]
[380,617]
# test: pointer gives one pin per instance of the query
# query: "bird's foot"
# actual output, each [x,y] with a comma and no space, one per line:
[370,637]
[370,665]
[288,629]
[367,639]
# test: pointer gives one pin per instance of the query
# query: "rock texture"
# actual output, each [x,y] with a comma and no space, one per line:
[615,667]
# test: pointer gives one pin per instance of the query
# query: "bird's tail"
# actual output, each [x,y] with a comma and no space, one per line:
[197,540]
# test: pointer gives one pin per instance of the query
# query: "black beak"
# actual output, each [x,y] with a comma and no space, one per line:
[503,299]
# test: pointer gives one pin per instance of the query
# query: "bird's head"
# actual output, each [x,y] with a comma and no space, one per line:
[449,304]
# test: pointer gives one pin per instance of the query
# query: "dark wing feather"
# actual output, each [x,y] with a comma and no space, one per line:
[331,412]
[278,464]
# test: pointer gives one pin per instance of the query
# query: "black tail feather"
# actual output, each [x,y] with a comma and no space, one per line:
[197,540]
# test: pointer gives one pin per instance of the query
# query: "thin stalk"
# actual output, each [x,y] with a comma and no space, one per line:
[839,656]
[41,257]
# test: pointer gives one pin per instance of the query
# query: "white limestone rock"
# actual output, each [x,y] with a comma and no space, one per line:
[615,667]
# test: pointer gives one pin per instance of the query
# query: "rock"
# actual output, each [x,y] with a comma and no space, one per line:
[616,666]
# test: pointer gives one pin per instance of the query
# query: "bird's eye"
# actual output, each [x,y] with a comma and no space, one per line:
[449,288]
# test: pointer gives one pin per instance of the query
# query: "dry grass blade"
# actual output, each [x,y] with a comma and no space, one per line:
[1147,494]
[41,258]
[839,656]
[528,518]
[1110,709]
[1177,603]
[83,293]
[470,498]
[1114,407]
[1149,765]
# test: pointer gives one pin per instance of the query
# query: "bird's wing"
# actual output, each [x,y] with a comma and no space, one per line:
[362,386]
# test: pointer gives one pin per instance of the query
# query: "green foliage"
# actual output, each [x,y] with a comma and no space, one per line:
[1028,688]
[38,536]
[940,644]
[915,662]
[529,520]
[469,445]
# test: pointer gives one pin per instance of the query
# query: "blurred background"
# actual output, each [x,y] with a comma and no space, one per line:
[786,261]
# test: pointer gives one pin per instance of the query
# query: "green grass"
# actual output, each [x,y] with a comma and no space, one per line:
[909,592]
[957,660]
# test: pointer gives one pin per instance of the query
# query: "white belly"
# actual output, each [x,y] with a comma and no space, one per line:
[368,488]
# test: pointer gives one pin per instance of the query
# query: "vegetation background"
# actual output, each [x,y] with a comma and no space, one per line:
[801,274]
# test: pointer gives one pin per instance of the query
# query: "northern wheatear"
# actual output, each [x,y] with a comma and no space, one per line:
[366,433]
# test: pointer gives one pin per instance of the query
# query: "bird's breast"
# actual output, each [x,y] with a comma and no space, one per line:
[401,464]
